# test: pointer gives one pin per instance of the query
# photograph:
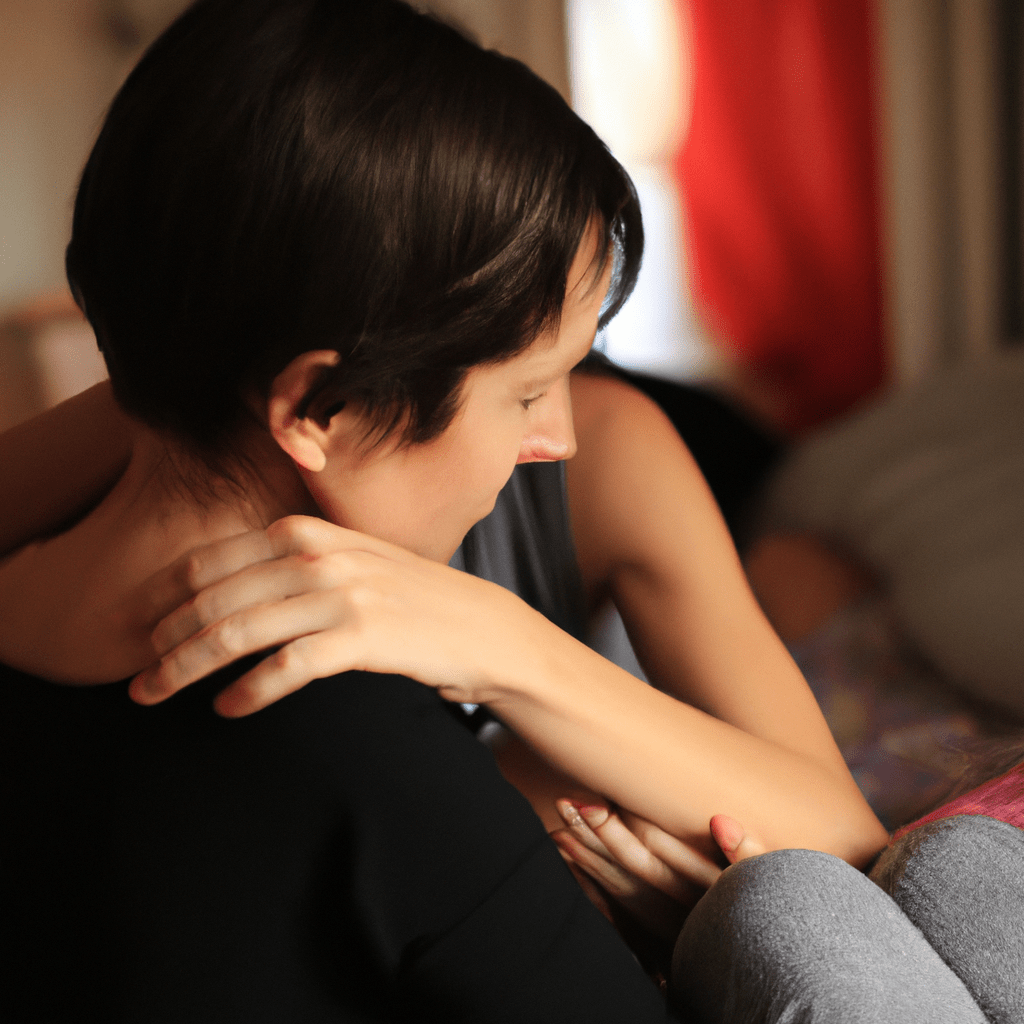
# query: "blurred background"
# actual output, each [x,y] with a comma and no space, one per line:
[832,190]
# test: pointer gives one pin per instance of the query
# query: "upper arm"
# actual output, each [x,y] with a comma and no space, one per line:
[649,534]
[58,464]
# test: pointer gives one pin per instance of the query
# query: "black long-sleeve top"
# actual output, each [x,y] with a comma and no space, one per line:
[348,854]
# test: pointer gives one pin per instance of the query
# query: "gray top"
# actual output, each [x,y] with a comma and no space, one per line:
[526,546]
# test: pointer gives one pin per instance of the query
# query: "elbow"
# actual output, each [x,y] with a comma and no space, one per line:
[858,837]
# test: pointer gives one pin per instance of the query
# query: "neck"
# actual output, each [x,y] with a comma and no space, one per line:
[165,483]
[77,608]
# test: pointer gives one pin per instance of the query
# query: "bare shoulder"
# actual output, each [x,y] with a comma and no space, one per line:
[601,402]
[622,435]
[636,495]
[649,534]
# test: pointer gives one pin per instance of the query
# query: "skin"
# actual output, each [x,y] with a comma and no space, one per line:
[74,607]
[735,730]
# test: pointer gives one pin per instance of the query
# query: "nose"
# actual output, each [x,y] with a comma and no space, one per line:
[552,437]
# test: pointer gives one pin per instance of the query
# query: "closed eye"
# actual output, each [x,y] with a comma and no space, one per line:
[527,402]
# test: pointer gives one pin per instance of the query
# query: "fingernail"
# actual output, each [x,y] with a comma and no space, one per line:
[593,814]
[569,813]
[727,832]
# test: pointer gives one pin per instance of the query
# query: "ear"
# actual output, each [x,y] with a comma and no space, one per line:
[302,438]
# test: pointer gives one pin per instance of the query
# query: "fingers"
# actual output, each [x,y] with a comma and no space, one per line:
[683,859]
[200,568]
[295,555]
[285,671]
[263,583]
[300,577]
[252,630]
[614,879]
[660,913]
[733,840]
[604,834]
[360,598]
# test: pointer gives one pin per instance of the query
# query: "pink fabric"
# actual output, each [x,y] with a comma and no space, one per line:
[1001,798]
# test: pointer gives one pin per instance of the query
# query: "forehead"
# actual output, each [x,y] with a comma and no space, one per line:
[560,348]
[556,350]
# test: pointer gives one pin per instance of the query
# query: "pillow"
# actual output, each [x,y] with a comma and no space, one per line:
[927,487]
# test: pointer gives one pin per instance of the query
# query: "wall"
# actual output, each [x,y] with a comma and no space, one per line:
[533,31]
[951,89]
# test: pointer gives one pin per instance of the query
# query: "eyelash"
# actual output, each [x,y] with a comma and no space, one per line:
[527,402]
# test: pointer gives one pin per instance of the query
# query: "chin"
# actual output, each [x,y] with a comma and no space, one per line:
[486,509]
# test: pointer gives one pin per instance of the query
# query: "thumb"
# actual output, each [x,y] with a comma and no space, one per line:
[733,840]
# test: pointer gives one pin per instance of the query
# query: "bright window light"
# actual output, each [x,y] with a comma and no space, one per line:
[630,73]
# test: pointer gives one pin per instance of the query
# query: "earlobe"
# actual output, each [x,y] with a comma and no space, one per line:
[302,438]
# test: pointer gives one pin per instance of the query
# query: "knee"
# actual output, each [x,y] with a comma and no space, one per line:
[762,902]
[953,861]
[961,882]
[783,930]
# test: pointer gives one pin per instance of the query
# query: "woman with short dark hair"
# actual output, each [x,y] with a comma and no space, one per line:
[340,262]
[276,178]
[332,251]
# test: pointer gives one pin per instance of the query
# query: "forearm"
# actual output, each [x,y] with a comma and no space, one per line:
[675,765]
[56,465]
[474,641]
[745,736]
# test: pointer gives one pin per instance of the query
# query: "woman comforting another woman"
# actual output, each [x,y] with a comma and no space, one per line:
[340,262]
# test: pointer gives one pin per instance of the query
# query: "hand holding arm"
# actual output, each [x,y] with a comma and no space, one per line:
[651,874]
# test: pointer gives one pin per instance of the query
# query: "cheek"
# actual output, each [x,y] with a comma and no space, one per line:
[481,474]
[455,485]
[503,459]
[487,451]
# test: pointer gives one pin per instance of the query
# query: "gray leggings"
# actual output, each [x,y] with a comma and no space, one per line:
[797,936]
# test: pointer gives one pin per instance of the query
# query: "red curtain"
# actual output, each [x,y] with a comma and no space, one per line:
[779,181]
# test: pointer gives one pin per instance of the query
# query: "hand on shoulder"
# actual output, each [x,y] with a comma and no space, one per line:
[321,600]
